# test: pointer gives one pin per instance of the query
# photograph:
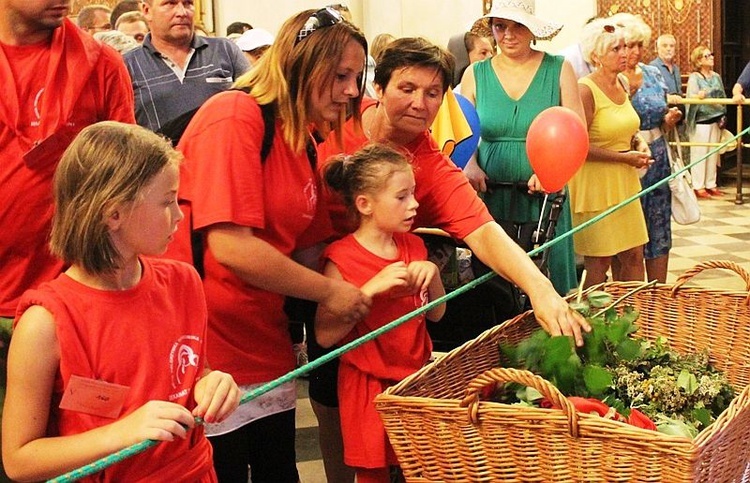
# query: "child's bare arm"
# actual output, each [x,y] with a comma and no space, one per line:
[28,454]
[426,275]
[330,329]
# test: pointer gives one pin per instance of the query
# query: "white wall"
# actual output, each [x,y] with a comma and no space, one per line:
[436,20]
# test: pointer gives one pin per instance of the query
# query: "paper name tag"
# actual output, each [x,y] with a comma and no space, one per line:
[98,398]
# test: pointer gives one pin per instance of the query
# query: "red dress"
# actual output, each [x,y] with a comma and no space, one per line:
[150,338]
[367,370]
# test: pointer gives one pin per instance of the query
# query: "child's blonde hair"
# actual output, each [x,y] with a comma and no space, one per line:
[106,165]
[364,172]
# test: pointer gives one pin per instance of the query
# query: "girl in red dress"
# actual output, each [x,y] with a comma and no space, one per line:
[112,352]
[389,264]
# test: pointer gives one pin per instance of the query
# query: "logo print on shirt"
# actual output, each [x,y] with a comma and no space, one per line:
[37,110]
[311,195]
[184,360]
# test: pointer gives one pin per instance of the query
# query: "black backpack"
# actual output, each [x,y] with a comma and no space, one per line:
[174,129]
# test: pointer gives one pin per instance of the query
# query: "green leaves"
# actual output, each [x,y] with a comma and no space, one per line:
[597,379]
[680,392]
[687,381]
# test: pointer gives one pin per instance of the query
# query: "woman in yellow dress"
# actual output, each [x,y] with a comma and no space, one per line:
[610,173]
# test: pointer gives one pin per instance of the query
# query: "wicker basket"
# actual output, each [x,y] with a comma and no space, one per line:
[440,431]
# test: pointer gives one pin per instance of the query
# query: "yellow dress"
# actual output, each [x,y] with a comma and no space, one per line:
[599,185]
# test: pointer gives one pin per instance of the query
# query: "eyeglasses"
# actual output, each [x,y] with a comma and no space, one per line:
[708,55]
[324,17]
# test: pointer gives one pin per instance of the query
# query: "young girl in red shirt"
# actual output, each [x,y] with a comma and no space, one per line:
[389,264]
[112,352]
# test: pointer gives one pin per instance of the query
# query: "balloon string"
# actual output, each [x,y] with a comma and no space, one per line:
[538,232]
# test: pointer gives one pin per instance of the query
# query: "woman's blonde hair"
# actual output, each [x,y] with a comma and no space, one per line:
[696,56]
[379,43]
[634,28]
[106,165]
[292,70]
[598,36]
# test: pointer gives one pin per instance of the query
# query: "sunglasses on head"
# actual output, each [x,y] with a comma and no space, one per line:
[325,17]
[339,6]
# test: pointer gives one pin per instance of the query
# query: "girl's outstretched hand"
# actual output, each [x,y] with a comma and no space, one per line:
[392,276]
[157,420]
[217,396]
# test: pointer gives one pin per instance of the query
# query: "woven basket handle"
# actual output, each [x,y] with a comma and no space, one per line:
[502,375]
[726,264]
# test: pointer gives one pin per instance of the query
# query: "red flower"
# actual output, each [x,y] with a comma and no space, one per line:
[595,406]
[640,420]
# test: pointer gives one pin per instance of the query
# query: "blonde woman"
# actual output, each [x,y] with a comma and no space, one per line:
[610,173]
[253,214]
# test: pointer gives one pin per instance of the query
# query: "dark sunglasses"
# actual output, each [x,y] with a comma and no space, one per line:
[325,17]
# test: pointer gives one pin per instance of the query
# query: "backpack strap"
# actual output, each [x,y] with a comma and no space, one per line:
[268,112]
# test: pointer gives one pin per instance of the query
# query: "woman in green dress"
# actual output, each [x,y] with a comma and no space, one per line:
[509,91]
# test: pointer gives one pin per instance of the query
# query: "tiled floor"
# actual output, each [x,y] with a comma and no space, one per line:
[722,234]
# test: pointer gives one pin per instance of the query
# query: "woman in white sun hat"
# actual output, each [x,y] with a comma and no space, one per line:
[509,91]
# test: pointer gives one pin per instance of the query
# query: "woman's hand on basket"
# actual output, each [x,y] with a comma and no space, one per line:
[557,318]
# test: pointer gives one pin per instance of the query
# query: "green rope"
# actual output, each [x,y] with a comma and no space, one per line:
[123,454]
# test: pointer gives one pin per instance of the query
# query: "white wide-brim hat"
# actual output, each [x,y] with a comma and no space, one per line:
[522,11]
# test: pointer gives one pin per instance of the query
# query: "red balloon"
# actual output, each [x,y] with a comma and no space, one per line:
[557,144]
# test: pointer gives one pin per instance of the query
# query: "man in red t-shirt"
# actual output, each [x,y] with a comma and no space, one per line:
[56,81]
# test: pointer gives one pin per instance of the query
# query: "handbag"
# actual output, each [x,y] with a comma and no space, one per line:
[685,209]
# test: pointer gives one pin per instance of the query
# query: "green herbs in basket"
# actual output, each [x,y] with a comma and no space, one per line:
[681,393]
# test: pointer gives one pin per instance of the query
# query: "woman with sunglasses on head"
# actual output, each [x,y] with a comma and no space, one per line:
[510,91]
[610,173]
[648,93]
[705,121]
[411,78]
[252,210]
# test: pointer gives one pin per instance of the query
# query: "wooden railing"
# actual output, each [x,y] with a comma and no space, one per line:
[739,127]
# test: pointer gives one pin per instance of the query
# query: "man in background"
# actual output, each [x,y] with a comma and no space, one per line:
[666,51]
[94,18]
[133,24]
[124,6]
[238,28]
[175,71]
[742,86]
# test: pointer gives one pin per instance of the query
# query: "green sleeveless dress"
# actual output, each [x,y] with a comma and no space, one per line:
[502,154]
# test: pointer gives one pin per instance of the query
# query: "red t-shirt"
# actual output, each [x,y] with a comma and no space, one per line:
[83,83]
[367,370]
[150,338]
[224,181]
[446,199]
